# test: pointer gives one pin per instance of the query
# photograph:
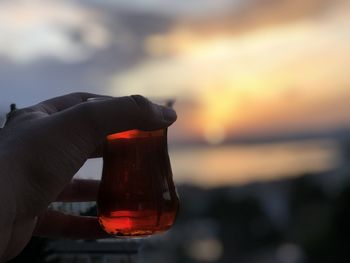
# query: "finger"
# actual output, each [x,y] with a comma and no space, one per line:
[54,224]
[92,121]
[80,190]
[125,113]
[66,101]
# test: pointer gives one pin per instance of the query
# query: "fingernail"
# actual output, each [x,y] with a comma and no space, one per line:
[169,114]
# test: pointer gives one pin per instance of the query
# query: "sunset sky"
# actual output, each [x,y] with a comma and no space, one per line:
[279,74]
[236,68]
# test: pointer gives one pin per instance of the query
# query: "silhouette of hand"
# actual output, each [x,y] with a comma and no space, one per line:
[43,146]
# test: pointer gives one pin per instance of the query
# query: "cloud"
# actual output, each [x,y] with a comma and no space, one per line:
[256,14]
[199,58]
[31,30]
[43,72]
[188,8]
[239,79]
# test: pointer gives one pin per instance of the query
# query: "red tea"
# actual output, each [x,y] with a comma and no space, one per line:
[137,195]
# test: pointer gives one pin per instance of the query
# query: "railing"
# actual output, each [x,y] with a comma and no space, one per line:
[116,250]
[105,251]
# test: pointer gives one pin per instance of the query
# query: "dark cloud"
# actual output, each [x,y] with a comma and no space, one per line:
[254,14]
[169,8]
[31,82]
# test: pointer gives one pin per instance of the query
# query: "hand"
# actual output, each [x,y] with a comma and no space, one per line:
[43,146]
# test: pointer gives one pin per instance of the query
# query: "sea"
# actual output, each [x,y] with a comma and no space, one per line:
[236,164]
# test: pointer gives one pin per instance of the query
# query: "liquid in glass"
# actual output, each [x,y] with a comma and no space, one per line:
[137,195]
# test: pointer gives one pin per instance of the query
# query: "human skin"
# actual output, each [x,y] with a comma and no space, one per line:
[43,146]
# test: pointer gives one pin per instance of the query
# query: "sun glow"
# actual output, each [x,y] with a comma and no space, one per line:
[217,112]
[271,78]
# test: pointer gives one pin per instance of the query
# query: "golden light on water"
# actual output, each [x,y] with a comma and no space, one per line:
[241,164]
